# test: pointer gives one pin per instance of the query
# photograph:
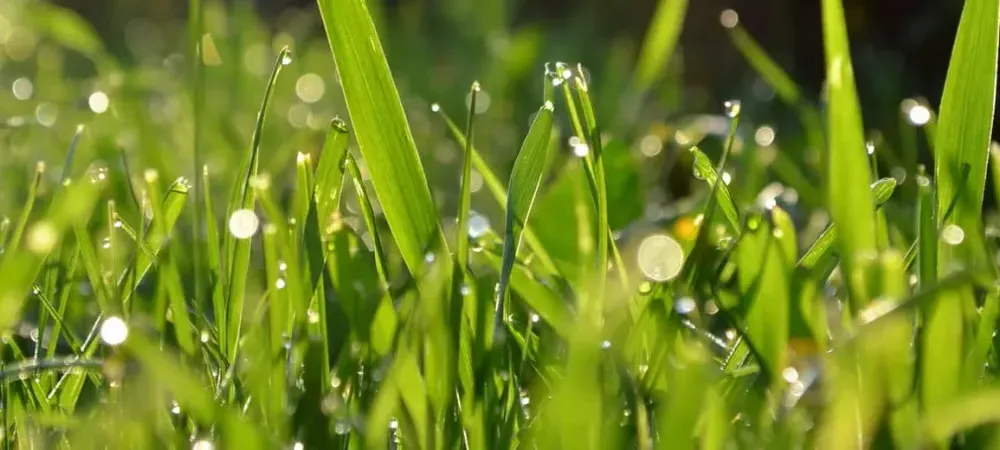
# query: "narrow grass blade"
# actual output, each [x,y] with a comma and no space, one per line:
[465,193]
[382,131]
[849,199]
[659,43]
[381,262]
[965,127]
[962,413]
[29,205]
[237,251]
[525,179]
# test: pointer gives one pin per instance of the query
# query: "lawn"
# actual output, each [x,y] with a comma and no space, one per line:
[254,237]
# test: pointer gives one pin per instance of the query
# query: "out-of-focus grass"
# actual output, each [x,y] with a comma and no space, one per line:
[357,282]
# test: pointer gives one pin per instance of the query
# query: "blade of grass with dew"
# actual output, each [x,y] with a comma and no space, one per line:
[525,179]
[496,188]
[849,199]
[237,251]
[213,258]
[823,247]
[659,43]
[703,169]
[330,171]
[964,129]
[382,132]
[538,297]
[605,238]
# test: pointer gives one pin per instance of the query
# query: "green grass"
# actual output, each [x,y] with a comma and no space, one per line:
[330,278]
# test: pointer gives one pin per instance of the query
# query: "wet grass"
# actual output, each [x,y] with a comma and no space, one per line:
[275,241]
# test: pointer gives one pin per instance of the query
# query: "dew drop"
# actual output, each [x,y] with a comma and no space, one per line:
[286,58]
[114,331]
[790,374]
[660,257]
[870,147]
[535,318]
[479,225]
[429,257]
[465,289]
[98,102]
[581,150]
[313,316]
[243,224]
[435,107]
[175,408]
[953,234]
[549,106]
[685,305]
[605,344]
[732,108]
[280,283]
[203,444]
[645,288]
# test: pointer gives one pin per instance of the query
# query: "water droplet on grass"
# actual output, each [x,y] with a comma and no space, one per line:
[286,58]
[581,150]
[605,344]
[732,108]
[243,224]
[729,18]
[203,444]
[685,305]
[429,257]
[465,289]
[98,102]
[435,107]
[114,331]
[953,234]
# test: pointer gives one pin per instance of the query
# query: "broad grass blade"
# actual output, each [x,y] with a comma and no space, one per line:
[849,199]
[381,130]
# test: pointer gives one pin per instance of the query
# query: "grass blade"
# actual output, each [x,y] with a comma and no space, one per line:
[659,43]
[330,171]
[849,199]
[465,193]
[237,251]
[964,128]
[382,131]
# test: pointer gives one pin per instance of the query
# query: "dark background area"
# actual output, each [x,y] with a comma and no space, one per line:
[901,46]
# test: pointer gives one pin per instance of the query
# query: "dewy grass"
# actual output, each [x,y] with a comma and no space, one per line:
[366,286]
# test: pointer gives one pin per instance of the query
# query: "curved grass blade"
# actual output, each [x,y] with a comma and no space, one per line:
[525,179]
[381,262]
[237,251]
[703,169]
[849,199]
[382,131]
[496,188]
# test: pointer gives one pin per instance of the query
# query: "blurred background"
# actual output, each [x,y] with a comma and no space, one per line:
[122,68]
[902,46]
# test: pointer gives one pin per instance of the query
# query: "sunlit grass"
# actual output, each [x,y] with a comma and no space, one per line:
[257,240]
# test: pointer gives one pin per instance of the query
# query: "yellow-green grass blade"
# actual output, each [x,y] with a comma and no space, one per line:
[237,250]
[660,41]
[964,128]
[382,132]
[849,198]
[962,413]
[525,180]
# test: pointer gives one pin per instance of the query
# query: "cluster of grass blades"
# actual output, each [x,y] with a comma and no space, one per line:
[746,322]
